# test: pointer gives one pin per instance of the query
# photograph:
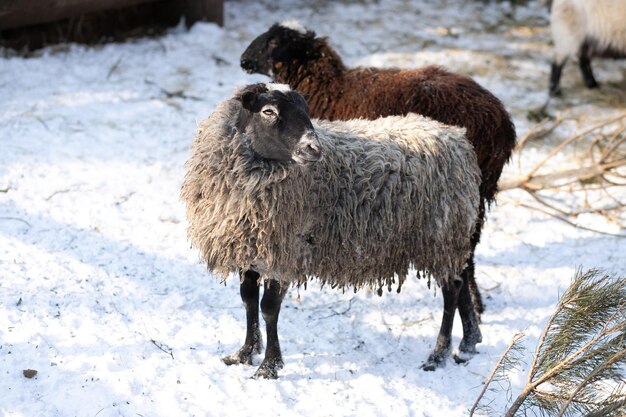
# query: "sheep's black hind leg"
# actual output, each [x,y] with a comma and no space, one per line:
[273,295]
[450,293]
[469,317]
[585,68]
[249,290]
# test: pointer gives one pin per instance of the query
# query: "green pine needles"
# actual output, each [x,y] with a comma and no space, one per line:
[579,366]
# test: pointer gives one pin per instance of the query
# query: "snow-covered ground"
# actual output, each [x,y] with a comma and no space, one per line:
[101,294]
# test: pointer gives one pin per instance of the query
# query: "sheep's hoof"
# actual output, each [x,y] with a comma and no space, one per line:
[468,344]
[556,92]
[269,369]
[242,356]
[462,357]
[467,348]
[435,360]
[236,359]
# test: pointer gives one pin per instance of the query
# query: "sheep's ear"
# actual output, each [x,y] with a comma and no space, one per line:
[248,100]
[301,100]
[250,94]
[293,45]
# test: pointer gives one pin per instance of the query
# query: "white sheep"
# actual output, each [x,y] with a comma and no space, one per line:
[585,29]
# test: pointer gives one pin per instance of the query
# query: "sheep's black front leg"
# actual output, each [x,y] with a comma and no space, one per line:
[249,290]
[469,316]
[270,307]
[555,77]
[450,292]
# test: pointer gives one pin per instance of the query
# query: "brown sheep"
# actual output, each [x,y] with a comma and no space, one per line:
[294,56]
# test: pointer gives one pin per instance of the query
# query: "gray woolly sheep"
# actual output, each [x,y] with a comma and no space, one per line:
[282,200]
[585,29]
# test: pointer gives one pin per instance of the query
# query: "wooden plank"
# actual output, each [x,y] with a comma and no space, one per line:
[143,19]
[204,10]
[20,13]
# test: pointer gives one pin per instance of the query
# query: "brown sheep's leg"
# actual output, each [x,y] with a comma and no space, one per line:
[249,290]
[450,292]
[469,277]
[273,295]
[469,317]
[476,298]
[470,304]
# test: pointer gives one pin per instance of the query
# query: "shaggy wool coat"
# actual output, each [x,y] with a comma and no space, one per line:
[388,194]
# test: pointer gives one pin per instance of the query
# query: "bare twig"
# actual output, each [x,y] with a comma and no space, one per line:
[540,182]
[173,94]
[337,313]
[114,67]
[562,218]
[162,347]
[603,168]
[540,130]
[574,138]
[17,219]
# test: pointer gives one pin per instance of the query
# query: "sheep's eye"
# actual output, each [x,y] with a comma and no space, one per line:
[269,112]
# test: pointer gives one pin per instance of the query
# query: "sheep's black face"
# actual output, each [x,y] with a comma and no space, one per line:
[279,44]
[276,120]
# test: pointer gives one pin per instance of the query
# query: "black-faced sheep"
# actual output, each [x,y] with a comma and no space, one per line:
[585,29]
[352,203]
[290,54]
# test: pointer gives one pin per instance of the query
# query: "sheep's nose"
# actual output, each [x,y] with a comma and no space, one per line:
[309,149]
[247,64]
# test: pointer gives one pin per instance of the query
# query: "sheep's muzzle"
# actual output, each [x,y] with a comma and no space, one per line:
[308,149]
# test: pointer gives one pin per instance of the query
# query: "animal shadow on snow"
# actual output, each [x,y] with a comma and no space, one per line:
[115,278]
[345,334]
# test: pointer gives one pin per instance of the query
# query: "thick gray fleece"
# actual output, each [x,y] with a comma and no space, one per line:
[389,194]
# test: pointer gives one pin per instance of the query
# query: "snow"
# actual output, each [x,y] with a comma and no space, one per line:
[101,294]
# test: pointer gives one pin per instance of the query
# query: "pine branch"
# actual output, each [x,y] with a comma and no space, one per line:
[579,366]
[576,358]
[619,356]
[610,410]
[504,364]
